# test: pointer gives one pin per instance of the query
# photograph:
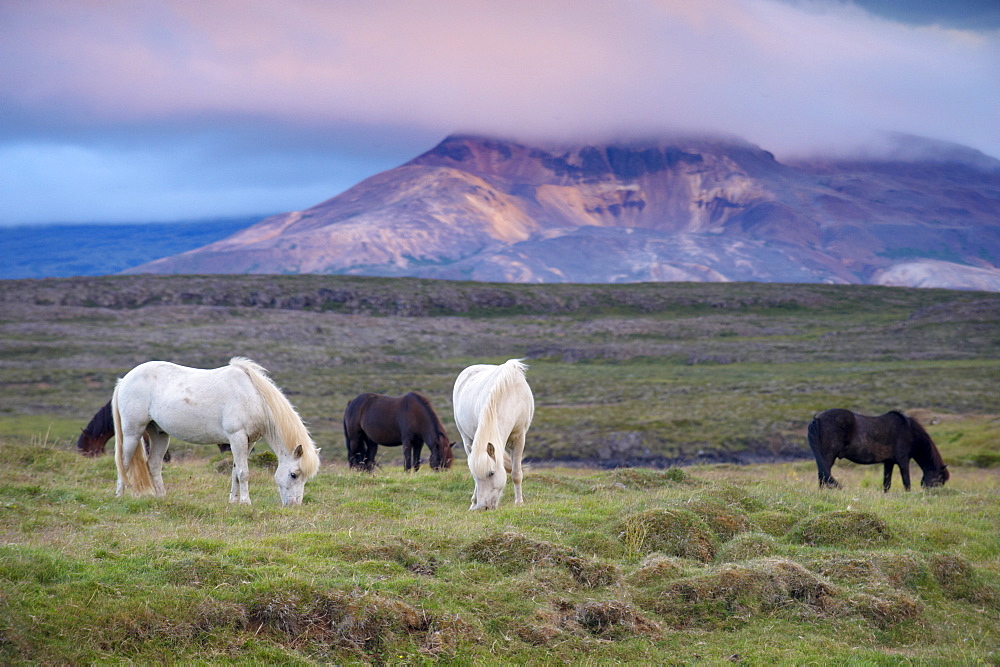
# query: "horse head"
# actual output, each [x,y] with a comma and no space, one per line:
[291,477]
[88,445]
[490,477]
[936,477]
[441,454]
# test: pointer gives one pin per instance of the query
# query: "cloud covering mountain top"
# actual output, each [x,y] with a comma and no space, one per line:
[185,106]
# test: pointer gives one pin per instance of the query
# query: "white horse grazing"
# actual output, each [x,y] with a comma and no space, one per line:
[237,404]
[493,408]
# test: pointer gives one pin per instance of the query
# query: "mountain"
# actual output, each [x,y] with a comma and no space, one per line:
[692,209]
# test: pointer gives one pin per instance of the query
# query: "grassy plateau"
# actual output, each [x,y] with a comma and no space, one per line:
[640,540]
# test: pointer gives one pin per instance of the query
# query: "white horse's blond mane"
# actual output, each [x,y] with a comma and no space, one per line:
[488,430]
[284,424]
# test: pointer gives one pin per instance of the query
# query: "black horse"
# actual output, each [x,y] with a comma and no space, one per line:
[371,420]
[891,439]
[101,428]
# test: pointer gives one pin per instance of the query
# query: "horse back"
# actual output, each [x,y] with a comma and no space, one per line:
[861,438]
[376,416]
[485,390]
[193,404]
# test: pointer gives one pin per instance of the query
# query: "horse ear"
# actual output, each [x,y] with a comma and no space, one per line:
[298,452]
[452,445]
[492,452]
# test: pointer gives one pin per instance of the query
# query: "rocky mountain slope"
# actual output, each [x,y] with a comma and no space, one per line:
[678,209]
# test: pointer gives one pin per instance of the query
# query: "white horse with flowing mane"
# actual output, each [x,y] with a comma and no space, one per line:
[493,408]
[238,404]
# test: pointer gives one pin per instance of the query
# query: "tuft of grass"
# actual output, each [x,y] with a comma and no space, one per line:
[675,532]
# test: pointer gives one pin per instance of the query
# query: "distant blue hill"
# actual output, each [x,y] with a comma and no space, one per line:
[60,251]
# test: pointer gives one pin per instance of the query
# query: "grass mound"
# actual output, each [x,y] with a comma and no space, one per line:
[514,552]
[648,479]
[359,623]
[676,532]
[883,610]
[607,620]
[656,569]
[407,553]
[612,619]
[959,580]
[747,546]
[894,570]
[732,593]
[724,520]
[773,522]
[733,496]
[842,528]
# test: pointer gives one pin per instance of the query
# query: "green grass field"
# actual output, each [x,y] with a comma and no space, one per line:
[744,563]
[711,563]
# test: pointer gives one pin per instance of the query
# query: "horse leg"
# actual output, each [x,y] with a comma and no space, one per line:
[516,474]
[416,446]
[407,454]
[904,472]
[370,454]
[355,447]
[824,461]
[240,489]
[887,475]
[158,443]
[824,468]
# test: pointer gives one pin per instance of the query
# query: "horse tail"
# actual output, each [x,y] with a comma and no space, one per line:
[813,434]
[136,475]
[283,422]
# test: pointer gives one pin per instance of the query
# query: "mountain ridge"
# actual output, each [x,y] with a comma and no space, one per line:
[694,208]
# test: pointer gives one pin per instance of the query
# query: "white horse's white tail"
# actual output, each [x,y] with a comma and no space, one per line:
[136,475]
[284,424]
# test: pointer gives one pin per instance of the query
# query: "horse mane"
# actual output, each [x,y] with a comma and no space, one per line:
[101,423]
[438,426]
[508,373]
[924,447]
[284,424]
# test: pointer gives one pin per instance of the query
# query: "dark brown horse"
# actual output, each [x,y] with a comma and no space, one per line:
[891,439]
[101,428]
[371,420]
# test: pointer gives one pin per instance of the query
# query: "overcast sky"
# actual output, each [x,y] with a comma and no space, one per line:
[142,110]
